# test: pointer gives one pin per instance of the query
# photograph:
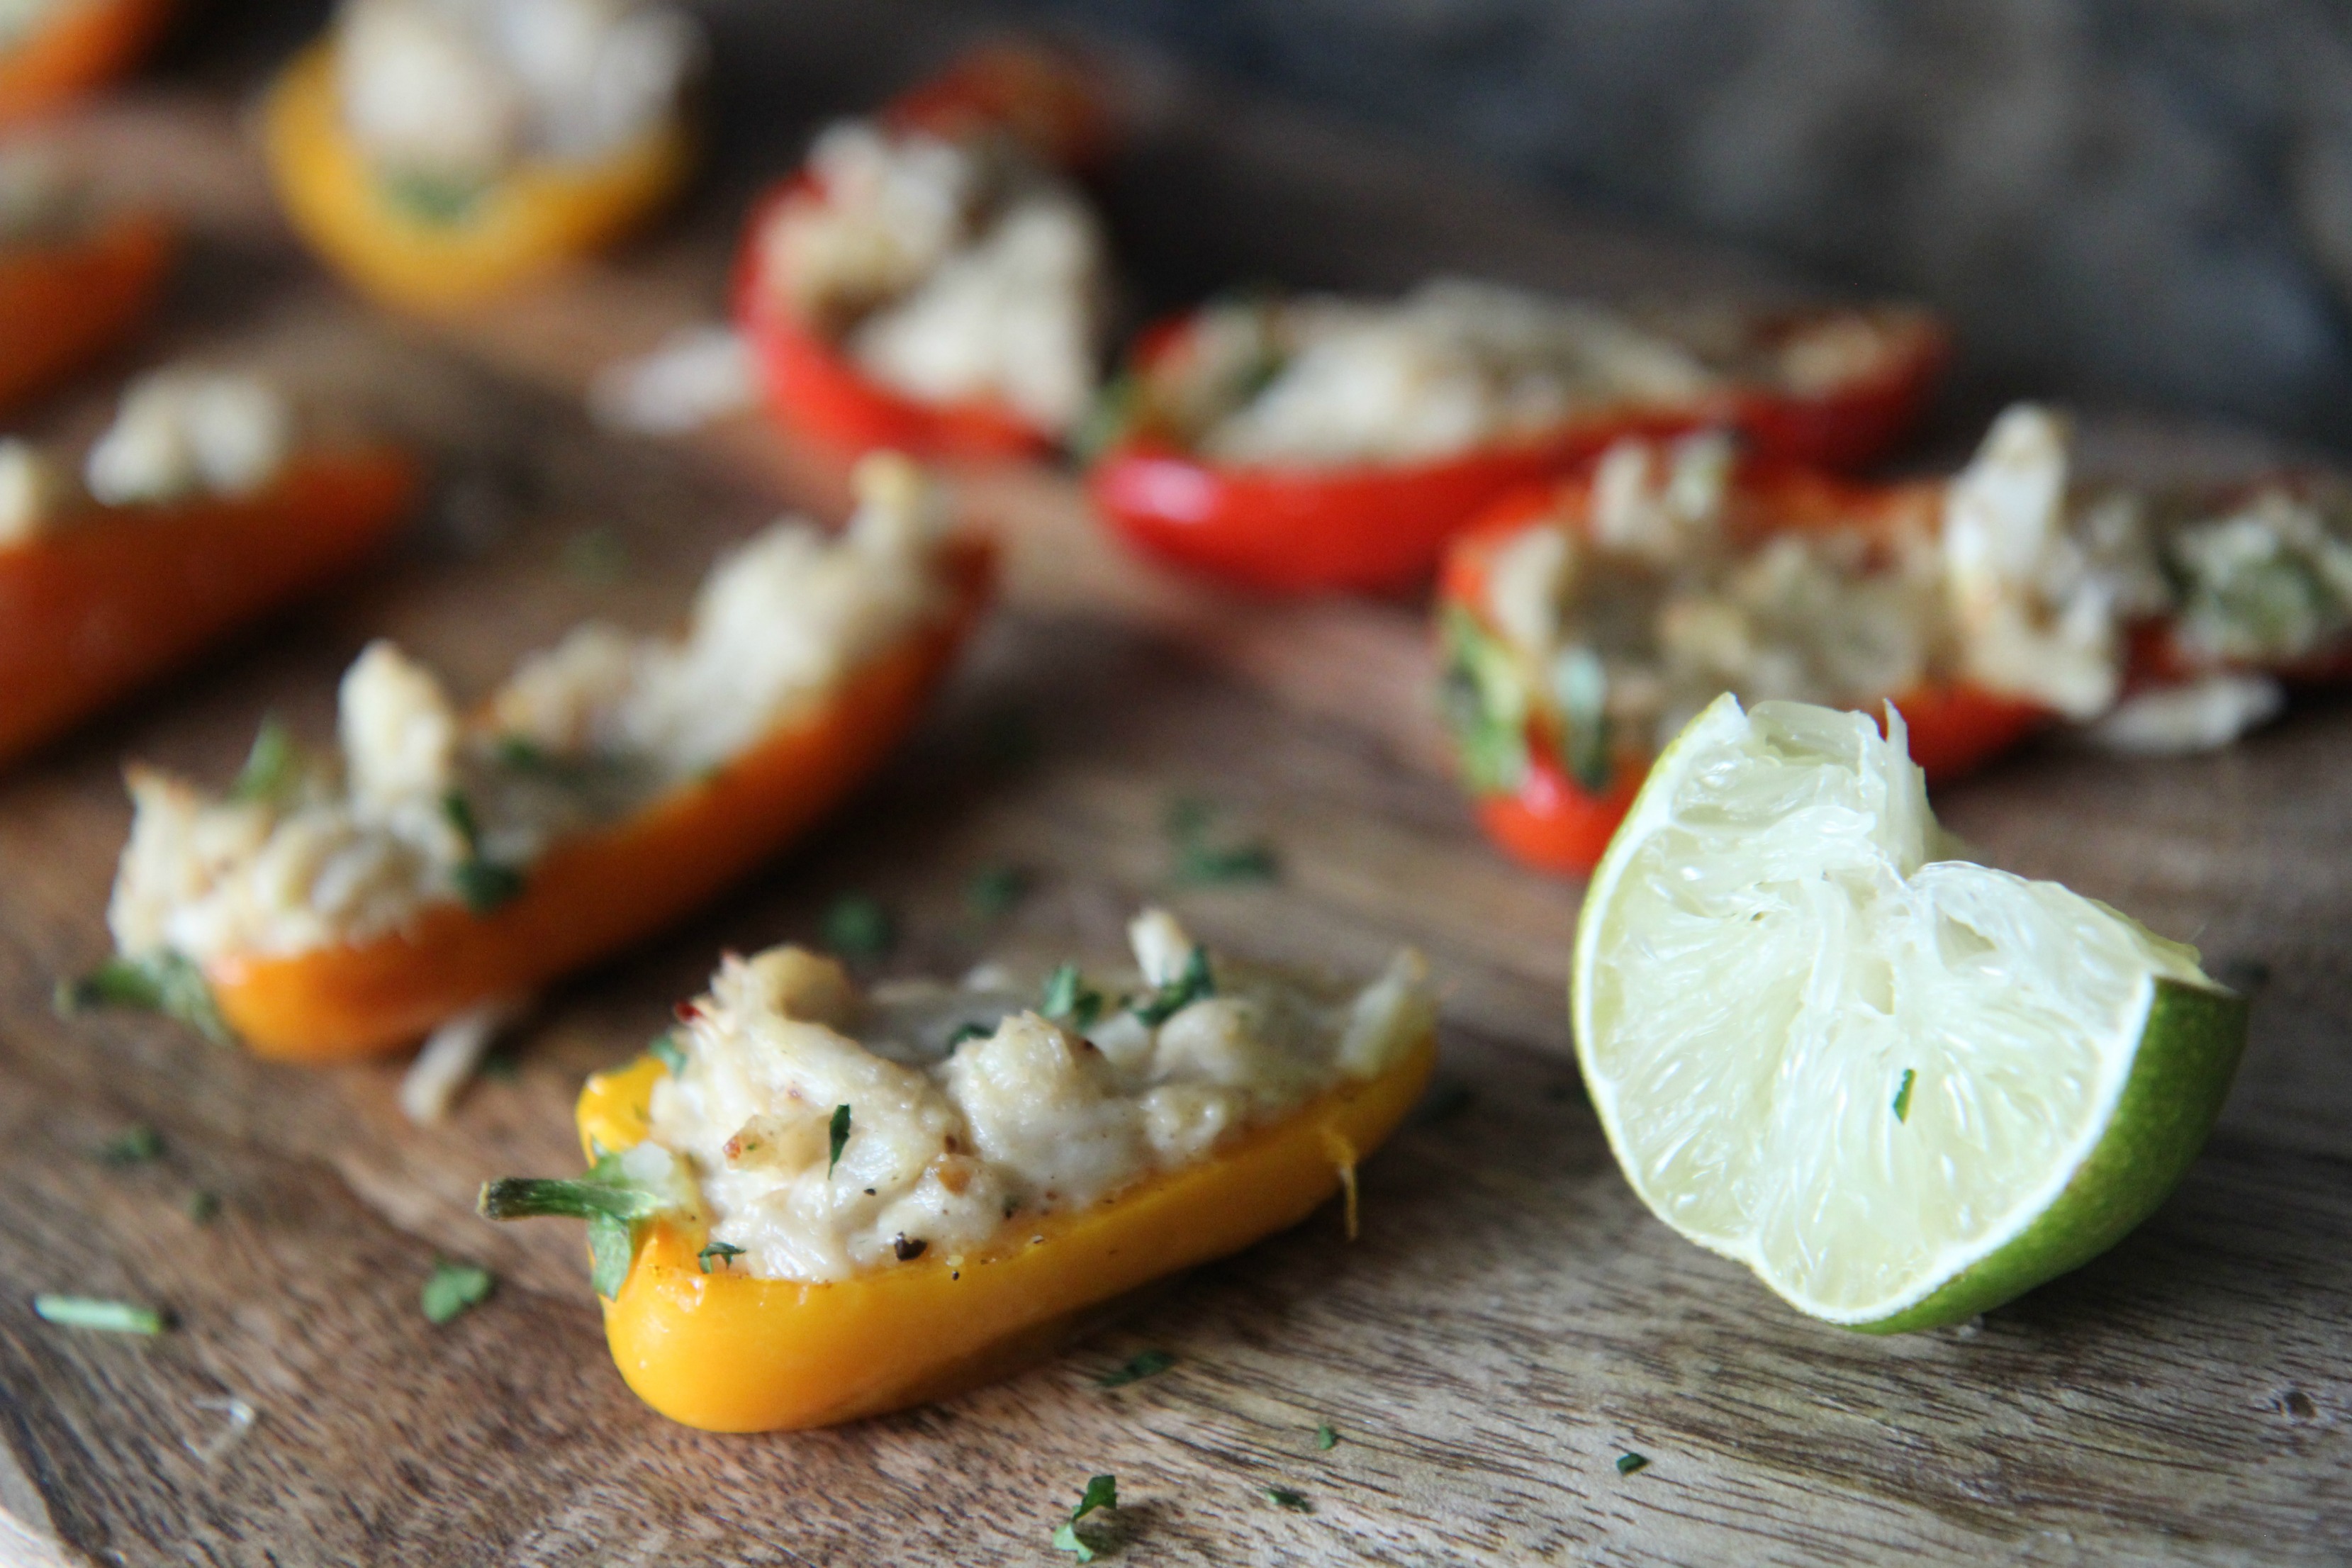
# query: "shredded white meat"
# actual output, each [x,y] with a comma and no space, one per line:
[460,91]
[953,271]
[956,1142]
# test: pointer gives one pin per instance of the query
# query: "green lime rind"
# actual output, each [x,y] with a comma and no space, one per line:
[2188,1052]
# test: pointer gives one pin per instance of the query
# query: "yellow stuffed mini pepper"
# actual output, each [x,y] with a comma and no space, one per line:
[436,155]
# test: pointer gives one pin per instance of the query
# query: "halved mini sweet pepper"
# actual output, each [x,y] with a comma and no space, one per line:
[1039,99]
[1553,773]
[82,44]
[415,256]
[709,1344]
[119,595]
[65,302]
[439,866]
[600,889]
[1291,526]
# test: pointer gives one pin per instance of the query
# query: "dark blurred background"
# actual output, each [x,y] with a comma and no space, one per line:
[2141,200]
[2144,201]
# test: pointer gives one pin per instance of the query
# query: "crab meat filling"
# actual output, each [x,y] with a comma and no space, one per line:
[951,270]
[443,97]
[1459,364]
[971,1114]
[180,434]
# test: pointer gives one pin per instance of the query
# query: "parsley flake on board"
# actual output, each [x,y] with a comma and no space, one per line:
[453,1288]
[95,1313]
[858,927]
[1148,1363]
[837,1135]
[1195,983]
[134,1147]
[1199,861]
[1102,1491]
[201,1206]
[1902,1096]
[994,891]
[1325,1439]
[1629,1463]
[160,982]
[1283,1497]
[721,1250]
[1068,999]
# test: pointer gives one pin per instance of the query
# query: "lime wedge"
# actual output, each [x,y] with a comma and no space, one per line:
[1901,1089]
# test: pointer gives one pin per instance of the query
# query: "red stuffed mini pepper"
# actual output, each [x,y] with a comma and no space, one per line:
[1583,623]
[1320,442]
[932,280]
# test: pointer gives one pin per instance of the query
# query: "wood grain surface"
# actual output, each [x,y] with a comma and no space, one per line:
[1511,1321]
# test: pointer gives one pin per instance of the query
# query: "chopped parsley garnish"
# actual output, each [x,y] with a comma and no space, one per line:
[97,1312]
[1325,1439]
[596,556]
[453,1288]
[994,891]
[837,1135]
[1628,1463]
[1484,701]
[433,198]
[967,1032]
[1102,1491]
[1579,686]
[857,926]
[666,1050]
[161,983]
[1204,864]
[134,1147]
[272,769]
[1108,418]
[1283,1497]
[1200,860]
[1148,1363]
[483,884]
[521,754]
[1195,983]
[612,1202]
[201,1206]
[1902,1096]
[724,1253]
[1068,999]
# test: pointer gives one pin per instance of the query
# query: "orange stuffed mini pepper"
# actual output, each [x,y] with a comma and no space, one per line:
[1319,443]
[73,282]
[196,511]
[52,51]
[436,156]
[812,1204]
[329,909]
[933,279]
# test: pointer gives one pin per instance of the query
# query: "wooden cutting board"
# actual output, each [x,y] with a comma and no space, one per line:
[1510,1322]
